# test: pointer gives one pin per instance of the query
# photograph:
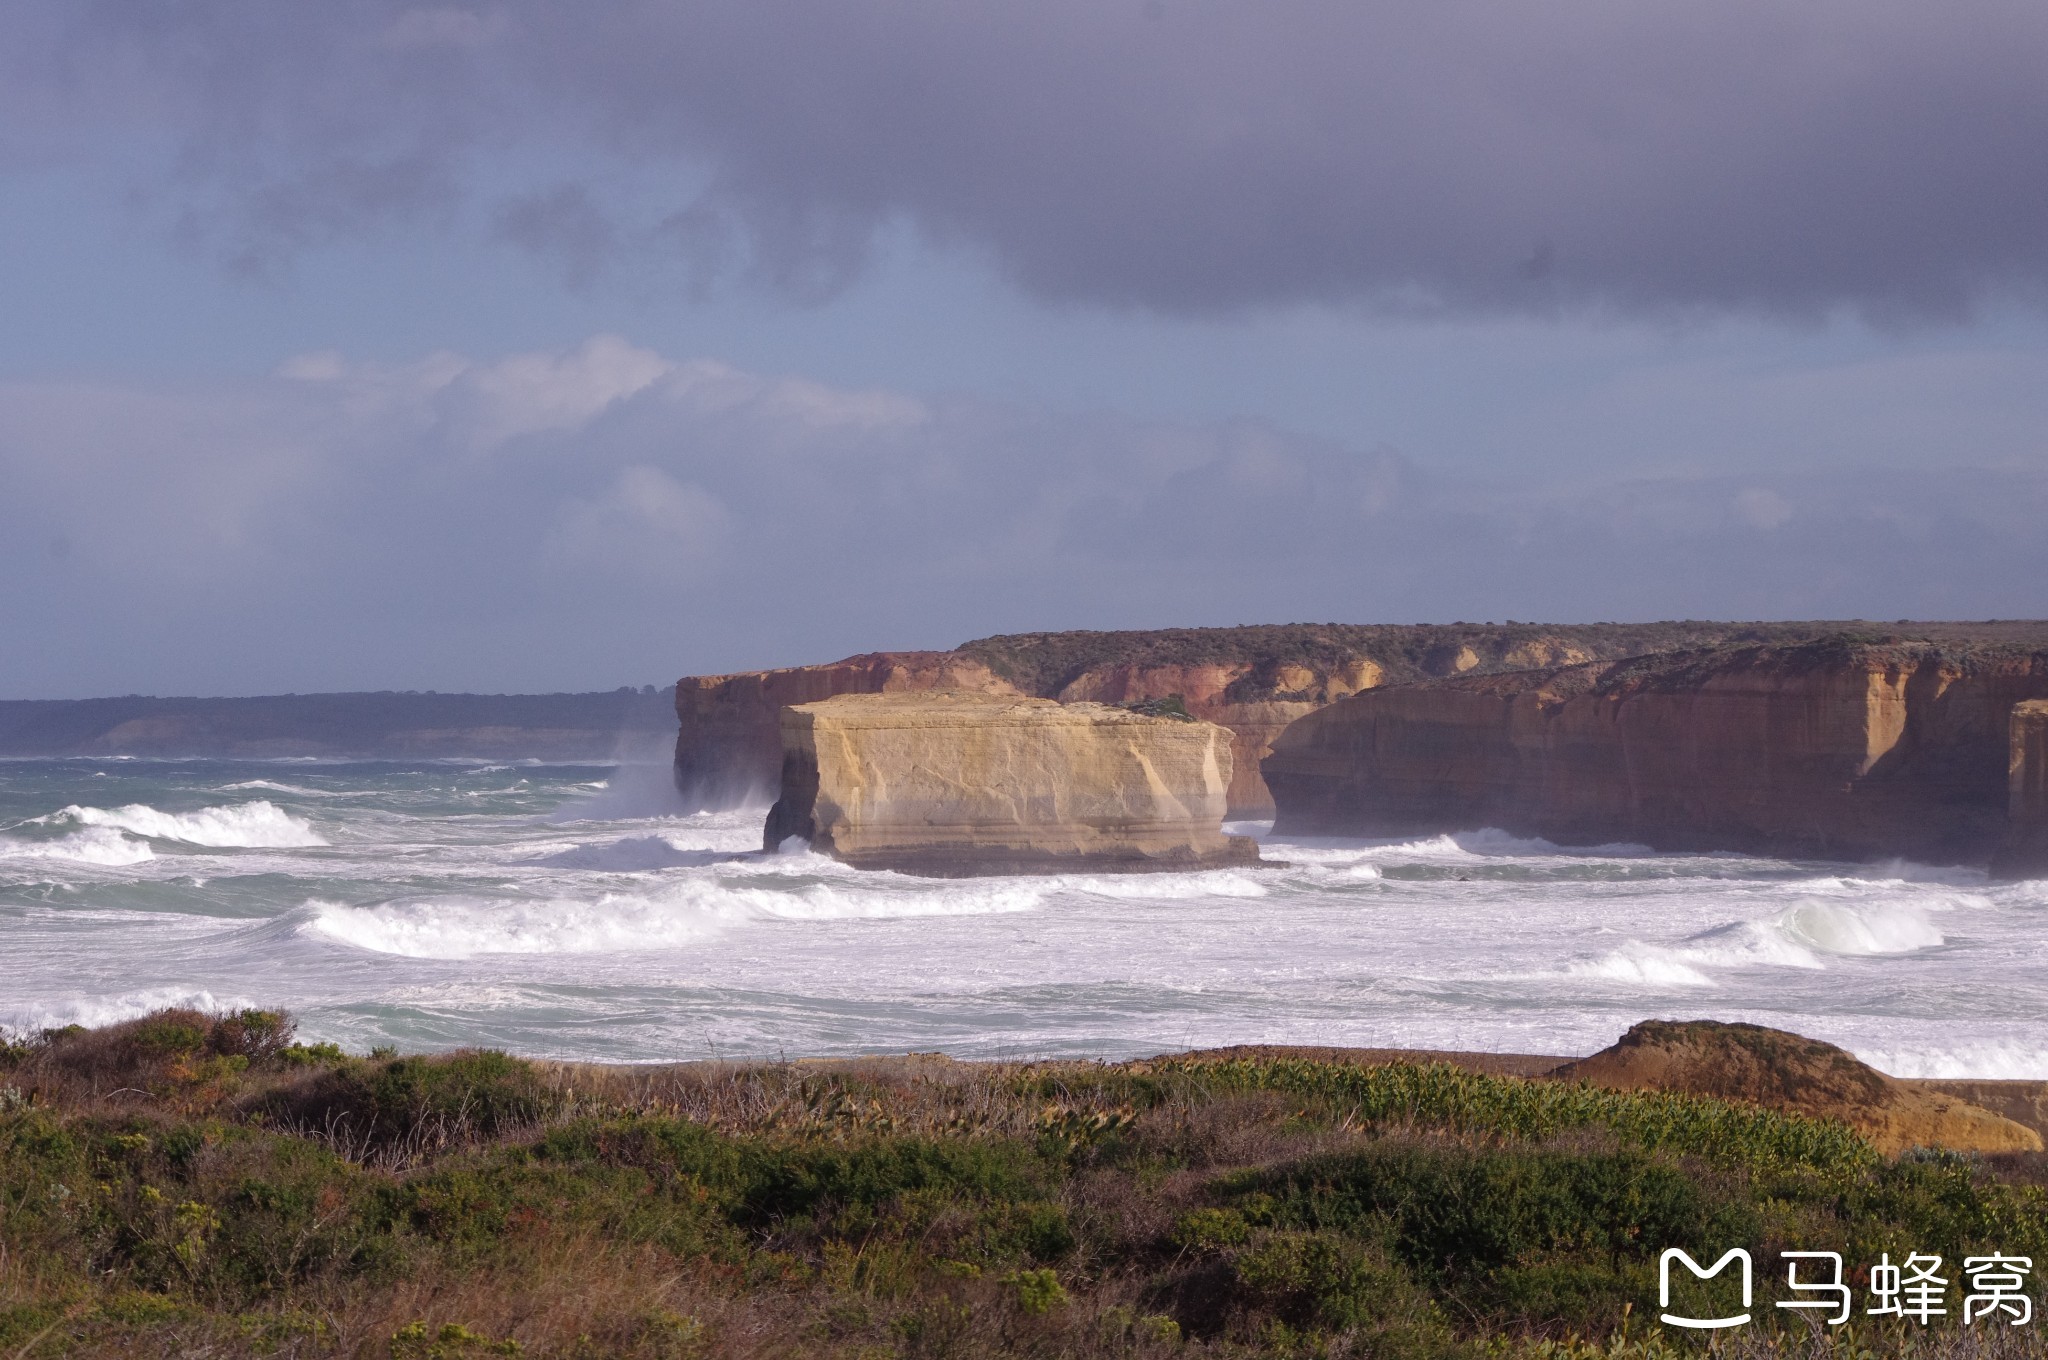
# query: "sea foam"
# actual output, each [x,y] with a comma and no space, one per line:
[113,1009]
[669,916]
[261,824]
[99,845]
[1803,935]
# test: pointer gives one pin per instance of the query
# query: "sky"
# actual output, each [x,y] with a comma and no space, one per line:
[526,346]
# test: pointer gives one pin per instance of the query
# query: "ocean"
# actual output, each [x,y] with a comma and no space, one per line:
[573,912]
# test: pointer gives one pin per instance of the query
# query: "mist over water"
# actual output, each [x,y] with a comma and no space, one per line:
[571,911]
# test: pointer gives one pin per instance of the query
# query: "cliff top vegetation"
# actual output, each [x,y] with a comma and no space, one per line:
[1044,663]
[191,1184]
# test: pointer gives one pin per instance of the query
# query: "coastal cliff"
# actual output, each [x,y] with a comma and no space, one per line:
[1834,749]
[1253,681]
[953,783]
[2025,851]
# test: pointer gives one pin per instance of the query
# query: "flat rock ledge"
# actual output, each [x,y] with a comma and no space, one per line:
[956,784]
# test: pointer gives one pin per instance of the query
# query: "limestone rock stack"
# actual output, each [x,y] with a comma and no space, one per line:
[955,783]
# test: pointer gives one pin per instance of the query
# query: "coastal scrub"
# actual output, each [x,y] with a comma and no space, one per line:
[189,1184]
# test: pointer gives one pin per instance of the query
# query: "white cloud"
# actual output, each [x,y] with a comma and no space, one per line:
[530,393]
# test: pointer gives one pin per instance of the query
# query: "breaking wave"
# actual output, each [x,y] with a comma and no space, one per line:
[1870,928]
[1803,935]
[1994,1062]
[675,914]
[93,845]
[1492,843]
[273,786]
[633,854]
[260,824]
[112,1010]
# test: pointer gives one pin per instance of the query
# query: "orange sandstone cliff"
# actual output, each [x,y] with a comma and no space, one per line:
[1833,749]
[1253,681]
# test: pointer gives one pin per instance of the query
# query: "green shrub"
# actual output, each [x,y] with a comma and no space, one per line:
[1036,1292]
[1481,1225]
[1319,1278]
[410,1106]
[1437,1095]
[416,1341]
[1232,1208]
[1211,1230]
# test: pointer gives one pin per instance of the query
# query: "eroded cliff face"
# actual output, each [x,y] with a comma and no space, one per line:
[2025,851]
[953,783]
[1254,703]
[1253,681]
[1828,750]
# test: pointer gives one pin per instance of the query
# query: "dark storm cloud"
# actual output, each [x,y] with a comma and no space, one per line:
[1182,155]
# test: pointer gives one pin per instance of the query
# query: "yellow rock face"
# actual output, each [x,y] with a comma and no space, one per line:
[957,783]
[1355,676]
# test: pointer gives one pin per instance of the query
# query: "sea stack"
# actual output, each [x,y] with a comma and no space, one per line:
[952,784]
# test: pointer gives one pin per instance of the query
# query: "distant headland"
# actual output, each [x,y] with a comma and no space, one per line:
[380,725]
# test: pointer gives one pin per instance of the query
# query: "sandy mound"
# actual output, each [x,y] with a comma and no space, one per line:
[1782,1071]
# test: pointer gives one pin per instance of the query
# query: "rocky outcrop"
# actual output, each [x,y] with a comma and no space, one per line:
[958,783]
[1782,1071]
[1252,680]
[2025,851]
[1835,749]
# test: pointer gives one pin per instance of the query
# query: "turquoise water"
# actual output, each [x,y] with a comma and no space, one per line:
[570,911]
